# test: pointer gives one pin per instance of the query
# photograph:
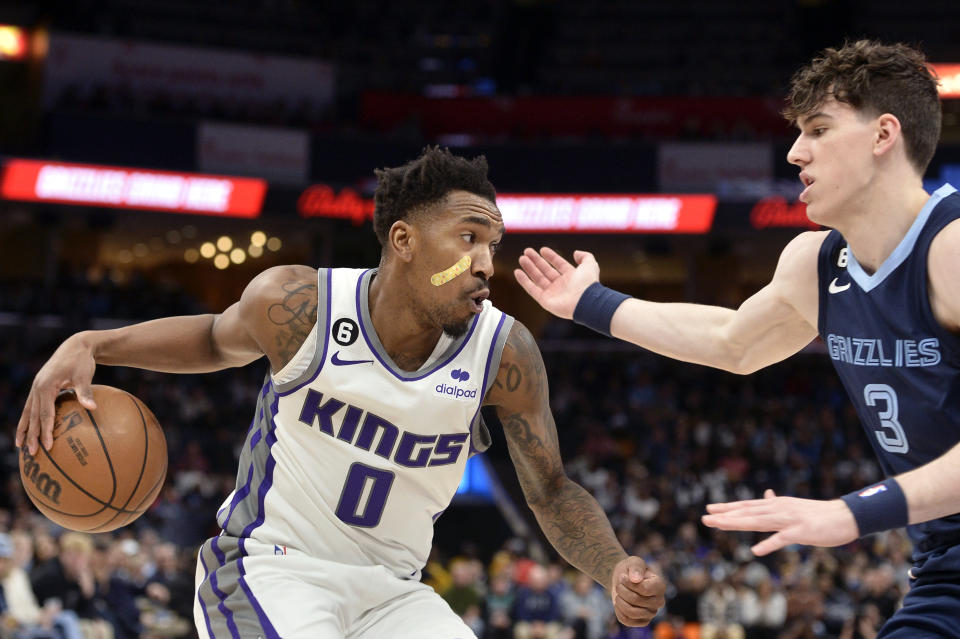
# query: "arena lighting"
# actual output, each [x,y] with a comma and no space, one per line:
[949,75]
[13,43]
[551,213]
[128,188]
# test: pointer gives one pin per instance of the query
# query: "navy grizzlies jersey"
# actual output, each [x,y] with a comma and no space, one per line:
[900,367]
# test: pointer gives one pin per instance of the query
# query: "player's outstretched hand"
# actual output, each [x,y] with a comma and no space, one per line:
[71,366]
[637,592]
[811,522]
[553,281]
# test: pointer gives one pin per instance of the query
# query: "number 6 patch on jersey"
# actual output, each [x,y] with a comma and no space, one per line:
[345,331]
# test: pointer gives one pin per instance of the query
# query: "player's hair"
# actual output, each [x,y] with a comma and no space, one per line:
[409,189]
[875,78]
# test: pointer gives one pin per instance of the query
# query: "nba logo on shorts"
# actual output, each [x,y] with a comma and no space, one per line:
[873,490]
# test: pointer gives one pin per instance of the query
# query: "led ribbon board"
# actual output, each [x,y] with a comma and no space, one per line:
[128,188]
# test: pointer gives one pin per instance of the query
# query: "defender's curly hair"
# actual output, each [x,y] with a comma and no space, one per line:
[408,189]
[875,78]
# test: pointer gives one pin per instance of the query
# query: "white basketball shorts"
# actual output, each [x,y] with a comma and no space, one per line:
[250,590]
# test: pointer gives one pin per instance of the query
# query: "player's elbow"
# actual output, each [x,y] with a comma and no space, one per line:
[743,365]
[732,355]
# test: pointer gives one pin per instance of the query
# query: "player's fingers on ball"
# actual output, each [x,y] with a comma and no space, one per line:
[556,260]
[33,426]
[46,412]
[85,396]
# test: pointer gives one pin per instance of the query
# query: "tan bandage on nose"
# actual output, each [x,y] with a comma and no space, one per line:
[441,278]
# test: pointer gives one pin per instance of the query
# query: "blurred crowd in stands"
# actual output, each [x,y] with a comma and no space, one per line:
[653,440]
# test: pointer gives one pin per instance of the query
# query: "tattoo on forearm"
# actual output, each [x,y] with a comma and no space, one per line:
[570,517]
[579,529]
[295,316]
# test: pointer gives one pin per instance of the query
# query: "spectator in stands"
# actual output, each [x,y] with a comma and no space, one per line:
[804,609]
[585,608]
[536,610]
[19,612]
[498,607]
[118,584]
[718,611]
[464,594]
[762,609]
[866,625]
[171,585]
[69,579]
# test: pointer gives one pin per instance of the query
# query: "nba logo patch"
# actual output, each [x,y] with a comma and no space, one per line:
[873,490]
[279,550]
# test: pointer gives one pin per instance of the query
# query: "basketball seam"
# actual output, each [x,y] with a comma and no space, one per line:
[160,479]
[106,453]
[143,465]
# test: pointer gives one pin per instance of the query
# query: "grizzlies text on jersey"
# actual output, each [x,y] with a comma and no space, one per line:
[900,367]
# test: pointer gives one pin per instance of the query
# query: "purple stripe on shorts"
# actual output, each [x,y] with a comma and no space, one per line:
[203,606]
[222,606]
[238,497]
[267,482]
[271,632]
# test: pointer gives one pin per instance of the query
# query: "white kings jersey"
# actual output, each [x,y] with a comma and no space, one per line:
[350,458]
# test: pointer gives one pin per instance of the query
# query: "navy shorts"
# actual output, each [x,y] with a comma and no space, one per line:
[931,610]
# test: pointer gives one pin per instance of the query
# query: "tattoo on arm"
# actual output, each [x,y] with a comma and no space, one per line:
[294,316]
[570,517]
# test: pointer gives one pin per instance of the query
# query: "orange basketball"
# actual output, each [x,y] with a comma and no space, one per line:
[105,467]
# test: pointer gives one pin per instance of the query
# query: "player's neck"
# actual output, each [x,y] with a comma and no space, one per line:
[407,340]
[879,221]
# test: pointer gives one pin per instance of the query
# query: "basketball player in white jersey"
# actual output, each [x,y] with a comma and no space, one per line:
[365,423]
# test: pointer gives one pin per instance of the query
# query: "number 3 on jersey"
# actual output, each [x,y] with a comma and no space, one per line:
[897,441]
[364,495]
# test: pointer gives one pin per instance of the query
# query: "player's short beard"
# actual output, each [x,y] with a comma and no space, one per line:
[445,317]
[456,330]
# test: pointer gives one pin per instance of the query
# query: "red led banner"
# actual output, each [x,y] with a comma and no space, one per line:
[127,188]
[628,213]
[949,79]
[550,213]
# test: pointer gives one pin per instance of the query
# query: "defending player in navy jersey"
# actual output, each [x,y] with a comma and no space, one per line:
[883,291]
[364,423]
